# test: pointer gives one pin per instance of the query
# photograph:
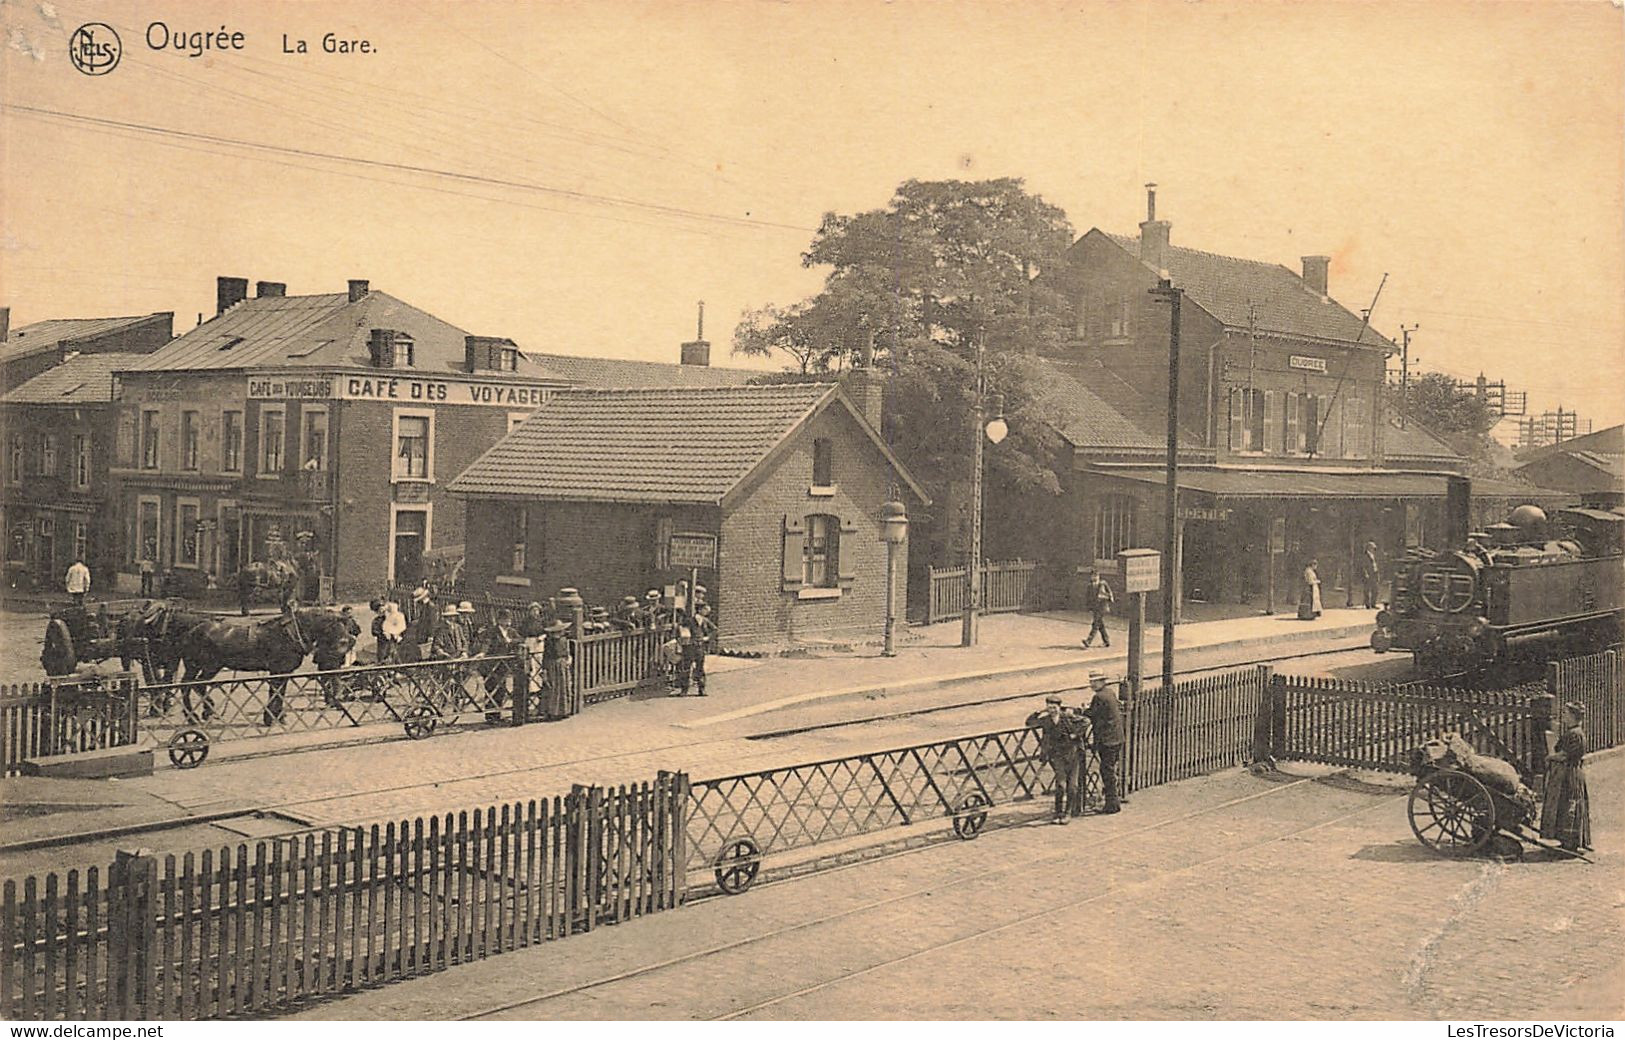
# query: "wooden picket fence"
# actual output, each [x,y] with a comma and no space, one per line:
[1598,682]
[59,717]
[257,929]
[1195,727]
[1006,586]
[614,664]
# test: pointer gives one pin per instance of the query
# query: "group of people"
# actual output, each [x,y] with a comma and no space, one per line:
[1062,734]
[1370,572]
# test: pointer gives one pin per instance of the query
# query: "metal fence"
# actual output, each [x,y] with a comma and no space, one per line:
[263,927]
[64,716]
[1006,586]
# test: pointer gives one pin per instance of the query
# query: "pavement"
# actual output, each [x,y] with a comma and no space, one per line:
[246,789]
[1232,896]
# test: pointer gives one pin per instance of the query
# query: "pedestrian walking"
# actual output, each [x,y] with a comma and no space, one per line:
[78,582]
[695,637]
[1058,734]
[1565,815]
[1309,592]
[1099,598]
[1370,574]
[1106,731]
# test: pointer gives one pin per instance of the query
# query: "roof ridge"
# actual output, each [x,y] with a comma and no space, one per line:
[748,387]
[1209,252]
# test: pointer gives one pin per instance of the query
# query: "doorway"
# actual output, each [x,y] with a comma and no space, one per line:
[411,538]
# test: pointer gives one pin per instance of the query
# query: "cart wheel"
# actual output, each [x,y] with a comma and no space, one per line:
[1451,813]
[188,748]
[971,816]
[736,865]
[59,656]
[420,723]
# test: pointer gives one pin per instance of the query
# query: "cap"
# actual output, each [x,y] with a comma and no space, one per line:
[1053,698]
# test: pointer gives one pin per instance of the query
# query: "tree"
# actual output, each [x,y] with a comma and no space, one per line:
[1458,416]
[917,284]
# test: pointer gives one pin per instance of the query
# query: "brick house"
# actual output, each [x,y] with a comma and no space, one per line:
[27,351]
[1286,451]
[786,481]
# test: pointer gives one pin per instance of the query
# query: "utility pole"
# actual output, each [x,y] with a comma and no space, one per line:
[970,621]
[1170,563]
[1405,373]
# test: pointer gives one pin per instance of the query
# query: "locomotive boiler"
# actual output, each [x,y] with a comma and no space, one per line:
[1533,577]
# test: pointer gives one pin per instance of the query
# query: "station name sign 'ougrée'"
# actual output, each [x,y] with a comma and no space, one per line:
[404,389]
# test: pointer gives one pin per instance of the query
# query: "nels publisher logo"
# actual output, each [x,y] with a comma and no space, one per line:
[95,49]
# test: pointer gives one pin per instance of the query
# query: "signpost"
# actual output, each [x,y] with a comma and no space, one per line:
[692,551]
[1141,572]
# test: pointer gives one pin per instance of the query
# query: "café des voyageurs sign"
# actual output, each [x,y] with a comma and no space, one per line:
[397,390]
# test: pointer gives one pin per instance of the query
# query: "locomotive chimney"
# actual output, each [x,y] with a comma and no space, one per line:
[1457,512]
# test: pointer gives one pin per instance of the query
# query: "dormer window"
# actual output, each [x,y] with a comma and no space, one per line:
[404,351]
[508,359]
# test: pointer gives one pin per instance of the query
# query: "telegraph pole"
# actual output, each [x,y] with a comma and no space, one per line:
[1405,374]
[1170,569]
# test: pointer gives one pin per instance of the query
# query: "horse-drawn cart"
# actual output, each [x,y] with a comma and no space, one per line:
[76,635]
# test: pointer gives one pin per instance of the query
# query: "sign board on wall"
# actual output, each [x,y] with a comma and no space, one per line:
[397,389]
[1278,535]
[1203,513]
[1141,569]
[1307,363]
[689,550]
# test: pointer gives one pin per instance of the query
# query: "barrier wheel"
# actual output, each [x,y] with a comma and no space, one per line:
[420,723]
[736,865]
[188,748]
[971,816]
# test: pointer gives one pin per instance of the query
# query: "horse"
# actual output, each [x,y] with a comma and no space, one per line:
[284,576]
[277,646]
[161,623]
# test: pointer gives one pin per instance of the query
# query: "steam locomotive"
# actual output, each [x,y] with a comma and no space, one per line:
[1532,577]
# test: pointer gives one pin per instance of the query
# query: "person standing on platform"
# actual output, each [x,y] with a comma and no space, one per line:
[1370,574]
[1099,599]
[1309,594]
[1106,730]
[78,582]
[691,670]
[1058,735]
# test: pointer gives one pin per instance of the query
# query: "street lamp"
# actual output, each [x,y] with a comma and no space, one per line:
[894,532]
[995,429]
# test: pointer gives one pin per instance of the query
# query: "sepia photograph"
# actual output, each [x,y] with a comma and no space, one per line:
[906,513]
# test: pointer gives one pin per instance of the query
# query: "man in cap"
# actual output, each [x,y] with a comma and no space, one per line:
[1370,574]
[1099,599]
[1106,726]
[695,637]
[1059,731]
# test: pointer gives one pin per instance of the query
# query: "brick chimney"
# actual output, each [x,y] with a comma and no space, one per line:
[698,350]
[228,293]
[263,289]
[484,353]
[867,389]
[381,348]
[1315,270]
[358,289]
[1154,233]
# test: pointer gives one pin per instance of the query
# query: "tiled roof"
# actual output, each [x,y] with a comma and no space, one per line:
[619,372]
[1225,285]
[45,335]
[81,379]
[321,331]
[687,444]
[1293,483]
[1099,411]
[1416,442]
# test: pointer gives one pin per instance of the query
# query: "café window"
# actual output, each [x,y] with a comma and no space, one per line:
[314,451]
[14,465]
[189,440]
[186,519]
[821,552]
[149,439]
[823,463]
[231,441]
[520,534]
[414,446]
[81,539]
[1115,517]
[273,433]
[81,461]
[47,454]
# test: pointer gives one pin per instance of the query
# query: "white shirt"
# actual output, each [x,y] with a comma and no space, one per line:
[394,625]
[78,578]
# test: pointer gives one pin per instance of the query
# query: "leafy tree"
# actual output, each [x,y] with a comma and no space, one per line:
[1437,402]
[917,284]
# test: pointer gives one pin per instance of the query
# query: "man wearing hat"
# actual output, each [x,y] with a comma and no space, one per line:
[421,616]
[447,641]
[1099,599]
[1370,574]
[1059,732]
[629,616]
[1105,713]
[695,636]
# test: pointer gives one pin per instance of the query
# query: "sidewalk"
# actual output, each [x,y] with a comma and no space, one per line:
[629,738]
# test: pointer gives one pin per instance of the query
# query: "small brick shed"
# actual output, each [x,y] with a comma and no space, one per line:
[788,479]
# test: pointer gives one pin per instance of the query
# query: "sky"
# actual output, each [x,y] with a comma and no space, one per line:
[576,176]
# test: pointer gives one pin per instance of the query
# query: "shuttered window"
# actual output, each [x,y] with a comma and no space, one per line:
[1292,428]
[1272,422]
[1238,419]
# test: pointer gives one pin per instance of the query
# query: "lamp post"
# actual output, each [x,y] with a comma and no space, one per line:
[995,429]
[894,532]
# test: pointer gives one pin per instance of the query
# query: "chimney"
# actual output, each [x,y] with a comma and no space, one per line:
[1154,233]
[698,350]
[5,322]
[358,289]
[263,289]
[867,389]
[381,348]
[1315,269]
[228,293]
[485,352]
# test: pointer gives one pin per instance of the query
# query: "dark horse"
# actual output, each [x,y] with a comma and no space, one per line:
[283,577]
[277,646]
[162,624]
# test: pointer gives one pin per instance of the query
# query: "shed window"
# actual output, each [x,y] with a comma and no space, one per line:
[520,534]
[821,552]
[1115,517]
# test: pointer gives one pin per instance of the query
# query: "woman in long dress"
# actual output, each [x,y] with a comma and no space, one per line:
[1309,594]
[1565,815]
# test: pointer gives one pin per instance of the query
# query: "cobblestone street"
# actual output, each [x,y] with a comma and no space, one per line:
[1228,897]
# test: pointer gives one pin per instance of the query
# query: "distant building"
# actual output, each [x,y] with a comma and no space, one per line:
[27,351]
[615,491]
[1592,466]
